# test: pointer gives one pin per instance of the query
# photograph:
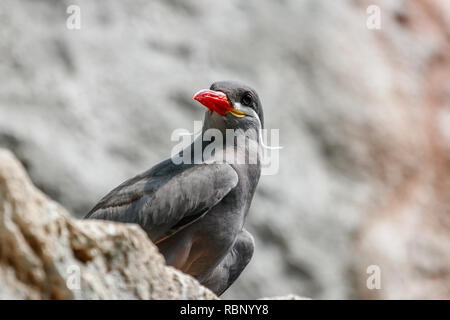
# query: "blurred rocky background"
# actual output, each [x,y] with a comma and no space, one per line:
[364,118]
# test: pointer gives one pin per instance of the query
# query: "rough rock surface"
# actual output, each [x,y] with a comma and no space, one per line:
[364,118]
[46,254]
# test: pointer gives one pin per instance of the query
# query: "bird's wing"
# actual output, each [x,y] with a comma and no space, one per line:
[163,204]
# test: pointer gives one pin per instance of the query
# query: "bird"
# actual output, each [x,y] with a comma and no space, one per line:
[194,210]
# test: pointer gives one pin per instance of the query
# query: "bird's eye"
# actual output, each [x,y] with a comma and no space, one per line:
[247,99]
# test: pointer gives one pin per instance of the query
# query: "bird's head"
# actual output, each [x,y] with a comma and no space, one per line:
[232,105]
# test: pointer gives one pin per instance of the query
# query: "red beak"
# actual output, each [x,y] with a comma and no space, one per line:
[214,100]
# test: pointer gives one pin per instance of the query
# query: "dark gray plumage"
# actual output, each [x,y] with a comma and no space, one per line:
[195,213]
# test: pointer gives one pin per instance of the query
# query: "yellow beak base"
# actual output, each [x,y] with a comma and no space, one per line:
[237,113]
